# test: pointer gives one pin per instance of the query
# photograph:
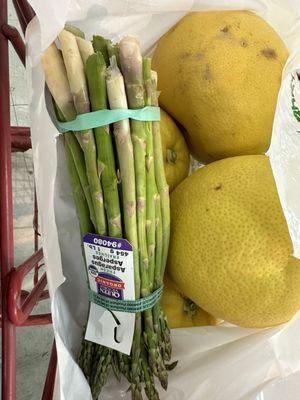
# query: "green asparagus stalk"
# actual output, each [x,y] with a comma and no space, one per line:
[117,99]
[160,325]
[135,95]
[113,50]
[78,86]
[100,45]
[150,390]
[162,185]
[96,74]
[81,206]
[78,156]
[58,85]
[116,366]
[159,242]
[150,176]
[131,63]
[138,136]
[157,310]
[163,190]
[101,369]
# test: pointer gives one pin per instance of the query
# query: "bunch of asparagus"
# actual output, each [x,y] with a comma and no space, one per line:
[119,187]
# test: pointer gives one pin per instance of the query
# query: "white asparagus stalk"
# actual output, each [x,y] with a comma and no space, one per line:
[75,71]
[85,48]
[58,85]
[57,81]
[78,85]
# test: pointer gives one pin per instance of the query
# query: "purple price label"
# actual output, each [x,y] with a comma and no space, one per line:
[108,242]
[109,285]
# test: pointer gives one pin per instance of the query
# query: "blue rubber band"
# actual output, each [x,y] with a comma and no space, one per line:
[98,118]
[129,306]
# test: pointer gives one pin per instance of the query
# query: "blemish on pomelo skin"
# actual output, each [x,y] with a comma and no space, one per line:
[199,55]
[244,43]
[207,73]
[218,187]
[269,53]
[185,54]
[225,29]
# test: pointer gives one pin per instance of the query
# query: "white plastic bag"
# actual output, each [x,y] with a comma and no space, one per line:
[215,363]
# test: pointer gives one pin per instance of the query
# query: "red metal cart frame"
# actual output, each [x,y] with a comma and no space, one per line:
[16,304]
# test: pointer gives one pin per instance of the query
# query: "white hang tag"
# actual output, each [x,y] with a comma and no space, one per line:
[110,268]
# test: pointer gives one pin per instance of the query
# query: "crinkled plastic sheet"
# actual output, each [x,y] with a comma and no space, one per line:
[215,363]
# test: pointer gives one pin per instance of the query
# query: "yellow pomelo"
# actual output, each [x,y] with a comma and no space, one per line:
[230,249]
[178,309]
[219,75]
[175,152]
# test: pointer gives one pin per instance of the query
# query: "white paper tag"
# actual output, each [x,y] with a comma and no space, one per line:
[109,263]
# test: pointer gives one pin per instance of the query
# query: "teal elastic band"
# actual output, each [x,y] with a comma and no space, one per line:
[95,119]
[129,306]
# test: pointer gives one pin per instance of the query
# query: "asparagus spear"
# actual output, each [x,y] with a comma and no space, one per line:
[96,70]
[74,152]
[85,49]
[162,186]
[113,50]
[135,94]
[139,145]
[151,183]
[131,63]
[101,370]
[163,190]
[78,86]
[100,45]
[78,195]
[117,99]
[58,85]
[156,274]
[150,390]
[57,81]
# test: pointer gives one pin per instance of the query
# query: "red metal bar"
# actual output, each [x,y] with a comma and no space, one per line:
[20,131]
[20,139]
[50,378]
[24,11]
[36,236]
[20,16]
[6,220]
[11,279]
[16,40]
[19,309]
